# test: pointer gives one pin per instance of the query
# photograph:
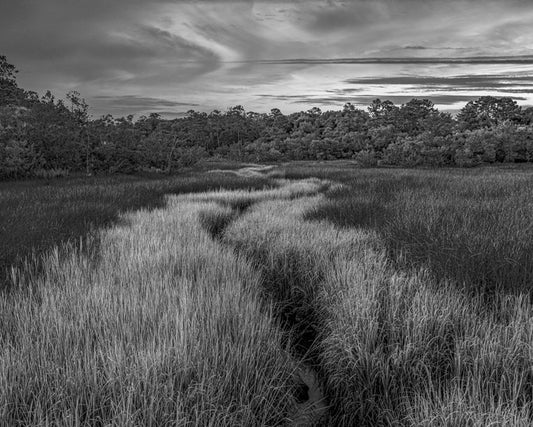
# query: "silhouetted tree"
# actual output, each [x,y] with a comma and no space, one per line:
[10,93]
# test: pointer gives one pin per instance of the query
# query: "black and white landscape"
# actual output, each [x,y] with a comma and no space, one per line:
[265,213]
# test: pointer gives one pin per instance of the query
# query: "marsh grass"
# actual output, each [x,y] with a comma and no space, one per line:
[166,328]
[215,221]
[405,291]
[161,326]
[392,347]
[472,227]
[36,216]
[290,272]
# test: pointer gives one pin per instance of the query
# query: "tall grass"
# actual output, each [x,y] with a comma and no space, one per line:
[35,216]
[392,347]
[406,291]
[471,227]
[164,327]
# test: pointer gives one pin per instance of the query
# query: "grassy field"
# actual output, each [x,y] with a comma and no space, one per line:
[36,216]
[297,295]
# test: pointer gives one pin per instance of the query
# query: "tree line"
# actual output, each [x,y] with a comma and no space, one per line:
[46,136]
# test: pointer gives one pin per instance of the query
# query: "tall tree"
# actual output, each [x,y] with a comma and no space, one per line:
[382,113]
[412,115]
[80,112]
[488,111]
[10,93]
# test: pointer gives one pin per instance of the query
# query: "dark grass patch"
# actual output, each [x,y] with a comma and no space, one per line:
[366,201]
[473,227]
[240,205]
[291,279]
[476,247]
[38,215]
[350,207]
[215,222]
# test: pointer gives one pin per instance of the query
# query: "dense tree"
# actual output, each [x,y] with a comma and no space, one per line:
[10,93]
[80,114]
[42,135]
[488,111]
[413,116]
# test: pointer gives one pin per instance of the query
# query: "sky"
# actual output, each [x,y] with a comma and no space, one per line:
[171,56]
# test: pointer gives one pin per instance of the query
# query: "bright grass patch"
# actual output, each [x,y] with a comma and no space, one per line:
[165,328]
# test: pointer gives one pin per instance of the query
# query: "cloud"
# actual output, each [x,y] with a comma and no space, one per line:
[120,105]
[123,54]
[433,85]
[523,59]
[337,17]
[436,99]
[141,101]
[446,99]
[74,36]
[462,81]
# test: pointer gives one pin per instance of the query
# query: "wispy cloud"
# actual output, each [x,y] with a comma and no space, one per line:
[498,80]
[141,101]
[519,59]
[364,100]
[123,55]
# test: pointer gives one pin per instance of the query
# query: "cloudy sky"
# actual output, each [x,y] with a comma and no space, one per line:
[170,56]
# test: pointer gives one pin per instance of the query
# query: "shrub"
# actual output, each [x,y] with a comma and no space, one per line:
[366,158]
